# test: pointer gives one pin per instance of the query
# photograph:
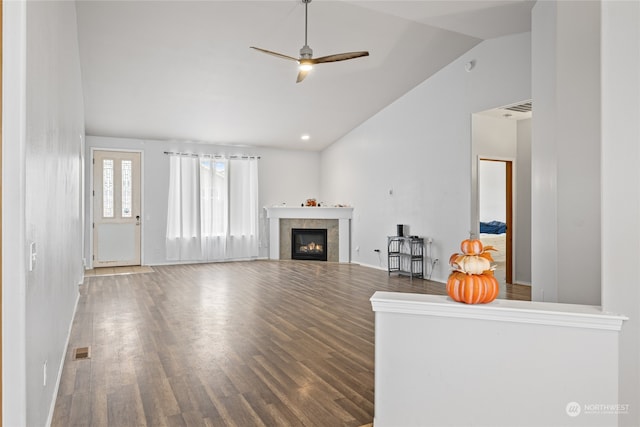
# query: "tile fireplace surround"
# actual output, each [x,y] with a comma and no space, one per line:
[318,215]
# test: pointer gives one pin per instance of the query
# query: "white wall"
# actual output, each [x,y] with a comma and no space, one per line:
[522,239]
[578,131]
[621,188]
[14,397]
[42,149]
[492,194]
[507,363]
[566,152]
[544,246]
[419,149]
[286,176]
[494,137]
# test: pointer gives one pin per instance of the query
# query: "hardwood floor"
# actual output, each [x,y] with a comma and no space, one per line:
[275,343]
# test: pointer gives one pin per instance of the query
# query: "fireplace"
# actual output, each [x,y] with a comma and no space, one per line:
[309,244]
[337,221]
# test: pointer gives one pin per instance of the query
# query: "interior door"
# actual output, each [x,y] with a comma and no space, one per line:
[116,208]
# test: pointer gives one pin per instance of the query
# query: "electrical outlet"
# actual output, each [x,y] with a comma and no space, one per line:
[429,240]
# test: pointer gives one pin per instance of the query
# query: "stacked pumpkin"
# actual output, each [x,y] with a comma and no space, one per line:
[472,280]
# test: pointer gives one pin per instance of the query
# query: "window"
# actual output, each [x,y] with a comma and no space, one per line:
[107,188]
[212,208]
[126,189]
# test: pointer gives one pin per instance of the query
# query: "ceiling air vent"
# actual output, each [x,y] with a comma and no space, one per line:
[520,108]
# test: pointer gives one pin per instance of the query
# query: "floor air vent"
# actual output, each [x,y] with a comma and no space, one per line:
[82,353]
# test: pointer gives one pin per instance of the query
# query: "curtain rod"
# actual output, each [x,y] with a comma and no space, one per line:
[215,156]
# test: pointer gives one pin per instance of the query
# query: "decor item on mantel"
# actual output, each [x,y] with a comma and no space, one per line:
[472,280]
[311,202]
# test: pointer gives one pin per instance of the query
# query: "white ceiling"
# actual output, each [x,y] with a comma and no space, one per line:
[183,70]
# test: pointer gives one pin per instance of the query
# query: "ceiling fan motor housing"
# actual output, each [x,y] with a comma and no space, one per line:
[306,52]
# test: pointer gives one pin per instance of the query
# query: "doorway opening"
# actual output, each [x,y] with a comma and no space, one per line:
[495,206]
[501,137]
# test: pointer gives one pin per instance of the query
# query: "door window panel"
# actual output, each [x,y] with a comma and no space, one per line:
[107,188]
[126,189]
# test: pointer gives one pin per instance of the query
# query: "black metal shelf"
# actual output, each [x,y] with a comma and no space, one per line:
[405,255]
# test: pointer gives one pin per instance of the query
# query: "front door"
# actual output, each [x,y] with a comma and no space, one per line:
[116,208]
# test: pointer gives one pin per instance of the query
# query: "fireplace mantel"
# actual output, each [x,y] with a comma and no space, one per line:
[343,215]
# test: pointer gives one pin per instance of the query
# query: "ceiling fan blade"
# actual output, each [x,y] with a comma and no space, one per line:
[340,57]
[279,55]
[301,75]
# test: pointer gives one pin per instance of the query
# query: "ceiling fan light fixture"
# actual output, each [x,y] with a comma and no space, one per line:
[305,66]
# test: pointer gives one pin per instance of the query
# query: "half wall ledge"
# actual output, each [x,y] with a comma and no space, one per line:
[510,362]
[532,312]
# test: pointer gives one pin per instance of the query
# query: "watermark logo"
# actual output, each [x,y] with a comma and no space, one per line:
[573,409]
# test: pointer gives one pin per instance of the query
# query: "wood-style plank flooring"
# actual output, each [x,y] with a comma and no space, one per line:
[274,343]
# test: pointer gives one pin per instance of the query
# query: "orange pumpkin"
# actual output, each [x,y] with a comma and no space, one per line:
[472,288]
[471,247]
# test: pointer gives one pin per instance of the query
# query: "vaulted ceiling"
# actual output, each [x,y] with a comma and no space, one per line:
[183,70]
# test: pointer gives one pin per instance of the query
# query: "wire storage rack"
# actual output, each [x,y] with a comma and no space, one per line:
[406,255]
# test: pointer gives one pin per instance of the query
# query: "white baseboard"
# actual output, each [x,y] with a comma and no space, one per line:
[375,267]
[64,357]
[162,263]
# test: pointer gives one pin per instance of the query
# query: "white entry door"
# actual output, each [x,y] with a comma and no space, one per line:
[116,208]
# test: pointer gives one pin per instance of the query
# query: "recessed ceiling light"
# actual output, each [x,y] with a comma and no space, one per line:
[305,137]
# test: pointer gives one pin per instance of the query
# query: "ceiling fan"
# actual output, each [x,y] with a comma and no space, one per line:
[306,60]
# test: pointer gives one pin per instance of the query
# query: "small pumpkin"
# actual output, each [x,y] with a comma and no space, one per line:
[471,247]
[472,288]
[471,264]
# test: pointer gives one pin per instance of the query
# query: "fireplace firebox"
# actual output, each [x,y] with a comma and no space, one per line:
[309,244]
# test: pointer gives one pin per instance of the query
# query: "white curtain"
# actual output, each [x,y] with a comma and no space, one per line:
[183,215]
[212,209]
[243,209]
